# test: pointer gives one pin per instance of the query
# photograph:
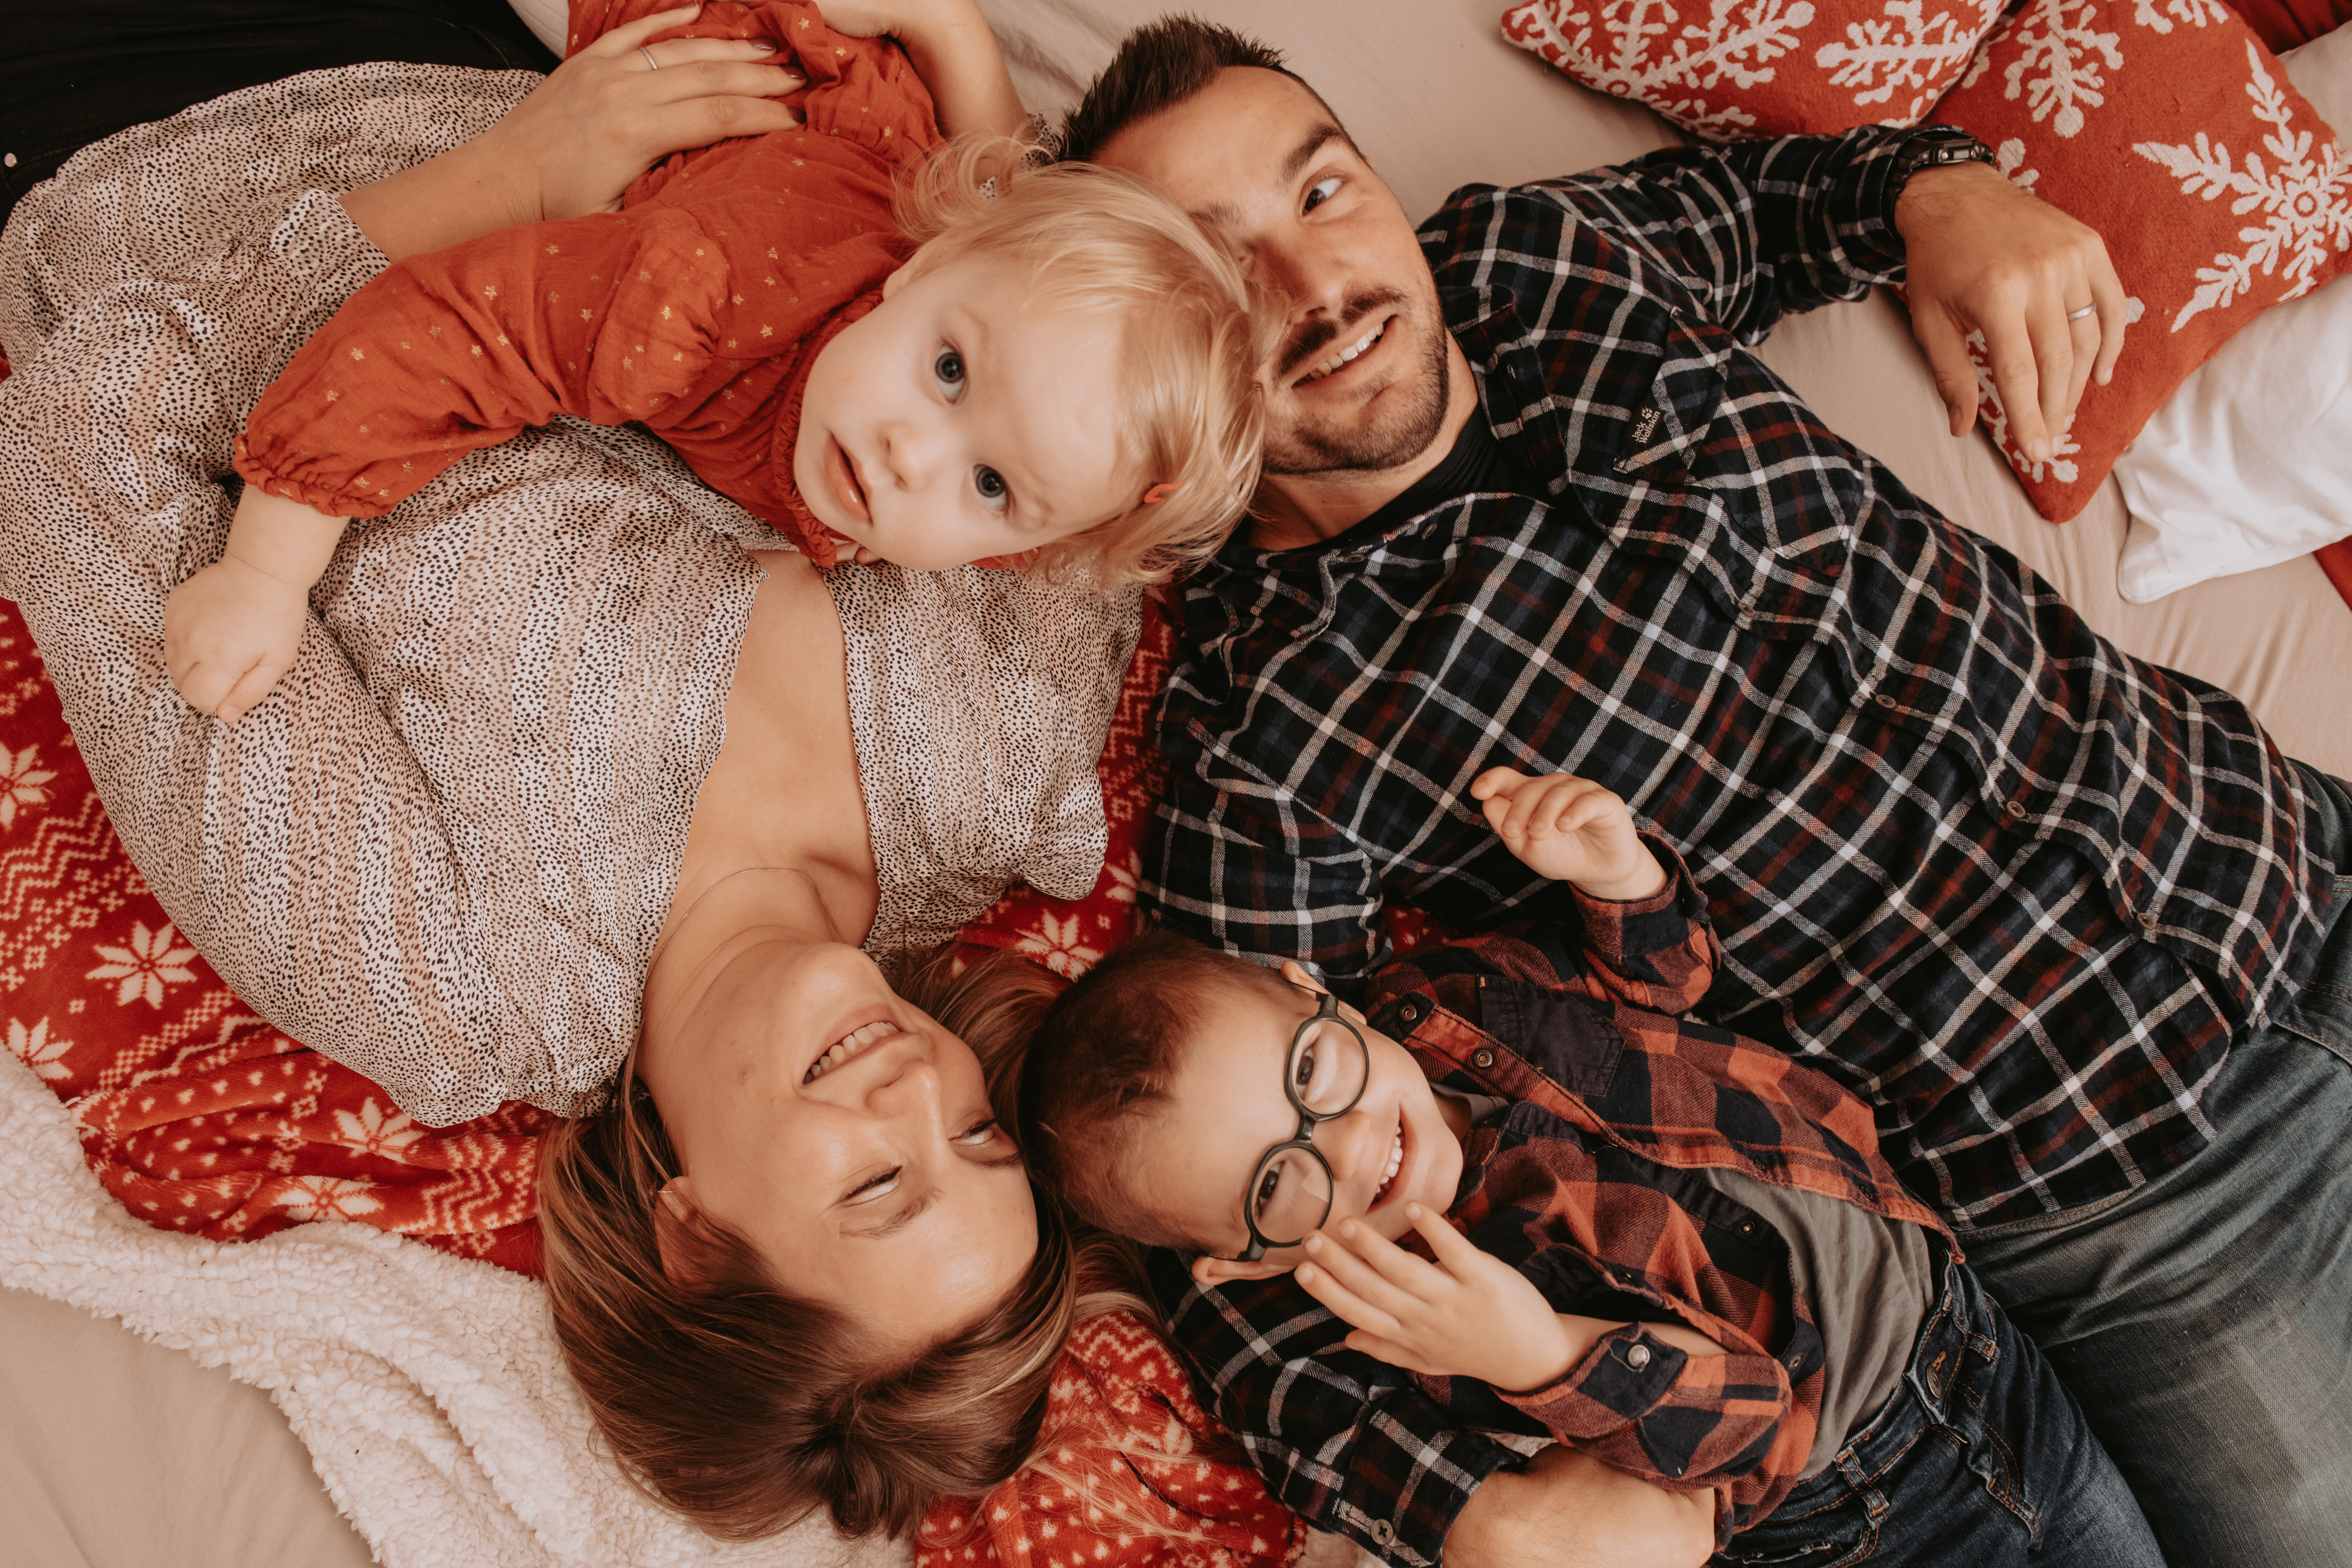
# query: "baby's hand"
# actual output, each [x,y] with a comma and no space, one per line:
[899,18]
[229,633]
[1570,830]
[1467,1315]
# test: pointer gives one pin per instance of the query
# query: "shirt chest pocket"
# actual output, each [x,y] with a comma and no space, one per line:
[1671,467]
[1669,382]
[1562,1037]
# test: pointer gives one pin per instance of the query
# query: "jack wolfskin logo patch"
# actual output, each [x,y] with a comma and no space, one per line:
[1646,424]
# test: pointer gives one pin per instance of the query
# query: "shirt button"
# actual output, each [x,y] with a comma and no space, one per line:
[1638,1357]
[2016,808]
[2148,920]
[1796,1362]
[1408,1011]
[1884,701]
[1481,1058]
[1383,1531]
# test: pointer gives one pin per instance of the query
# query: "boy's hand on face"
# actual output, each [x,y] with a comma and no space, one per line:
[1570,830]
[230,632]
[1469,1314]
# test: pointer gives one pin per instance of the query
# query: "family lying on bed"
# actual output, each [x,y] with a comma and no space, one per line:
[1537,550]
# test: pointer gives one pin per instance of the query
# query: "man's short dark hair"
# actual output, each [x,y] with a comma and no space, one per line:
[1159,66]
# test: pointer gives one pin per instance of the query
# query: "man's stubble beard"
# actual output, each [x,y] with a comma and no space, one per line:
[1417,413]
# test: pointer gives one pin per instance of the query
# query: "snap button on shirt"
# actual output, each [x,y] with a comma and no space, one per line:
[1638,1357]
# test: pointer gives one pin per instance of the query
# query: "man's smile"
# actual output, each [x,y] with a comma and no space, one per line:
[1340,358]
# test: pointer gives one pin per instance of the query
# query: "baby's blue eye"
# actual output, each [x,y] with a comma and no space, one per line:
[947,368]
[993,491]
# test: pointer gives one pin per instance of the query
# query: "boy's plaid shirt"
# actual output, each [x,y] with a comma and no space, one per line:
[1583,1185]
[2013,887]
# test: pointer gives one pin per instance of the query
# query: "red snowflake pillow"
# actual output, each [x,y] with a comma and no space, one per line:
[1728,69]
[2166,126]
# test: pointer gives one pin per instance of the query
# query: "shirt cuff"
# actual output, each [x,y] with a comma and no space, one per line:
[1616,930]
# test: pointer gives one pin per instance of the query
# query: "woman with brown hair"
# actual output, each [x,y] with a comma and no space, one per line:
[575,773]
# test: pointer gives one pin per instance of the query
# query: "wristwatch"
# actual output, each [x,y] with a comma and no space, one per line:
[1933,147]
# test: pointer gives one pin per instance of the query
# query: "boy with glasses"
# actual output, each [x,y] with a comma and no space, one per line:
[1669,1246]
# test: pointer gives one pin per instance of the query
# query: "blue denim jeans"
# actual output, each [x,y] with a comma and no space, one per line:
[2205,1320]
[1980,1459]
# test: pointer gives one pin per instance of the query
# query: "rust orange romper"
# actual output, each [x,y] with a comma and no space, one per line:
[695,311]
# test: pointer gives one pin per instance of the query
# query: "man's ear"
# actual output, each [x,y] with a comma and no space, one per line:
[1218,1270]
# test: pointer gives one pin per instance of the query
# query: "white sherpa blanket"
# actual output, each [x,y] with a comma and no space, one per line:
[428,1388]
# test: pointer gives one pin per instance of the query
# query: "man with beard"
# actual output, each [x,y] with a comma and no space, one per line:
[2062,917]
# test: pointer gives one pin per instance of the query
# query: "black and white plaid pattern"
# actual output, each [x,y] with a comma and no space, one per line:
[2013,886]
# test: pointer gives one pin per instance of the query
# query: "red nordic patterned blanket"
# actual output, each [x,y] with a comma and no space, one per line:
[202,1118]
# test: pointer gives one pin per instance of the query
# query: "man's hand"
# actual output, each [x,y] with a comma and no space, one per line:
[1570,830]
[230,633]
[1567,1510]
[1987,256]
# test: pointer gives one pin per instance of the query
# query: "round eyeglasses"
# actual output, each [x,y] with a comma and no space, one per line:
[1324,1075]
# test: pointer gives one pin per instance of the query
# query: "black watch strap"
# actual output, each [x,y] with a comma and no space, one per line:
[1934,147]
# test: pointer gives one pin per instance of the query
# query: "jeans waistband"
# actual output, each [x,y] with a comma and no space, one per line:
[1958,1333]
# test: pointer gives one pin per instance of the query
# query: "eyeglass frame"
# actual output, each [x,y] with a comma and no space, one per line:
[1327,1009]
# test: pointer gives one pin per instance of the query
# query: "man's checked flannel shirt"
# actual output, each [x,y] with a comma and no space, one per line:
[2015,887]
[1585,1185]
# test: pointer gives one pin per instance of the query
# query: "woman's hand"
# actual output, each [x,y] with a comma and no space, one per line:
[1570,830]
[604,117]
[1469,1314]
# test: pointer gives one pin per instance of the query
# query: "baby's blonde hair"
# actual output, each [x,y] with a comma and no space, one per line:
[1195,334]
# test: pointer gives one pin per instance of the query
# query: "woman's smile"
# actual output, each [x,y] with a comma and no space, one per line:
[850,1044]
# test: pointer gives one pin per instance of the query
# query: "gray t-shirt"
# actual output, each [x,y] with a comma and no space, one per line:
[1870,1281]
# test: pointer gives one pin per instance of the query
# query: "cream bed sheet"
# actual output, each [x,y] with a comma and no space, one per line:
[115,1454]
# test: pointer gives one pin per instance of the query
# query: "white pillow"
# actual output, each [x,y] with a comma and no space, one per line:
[547,19]
[2249,462]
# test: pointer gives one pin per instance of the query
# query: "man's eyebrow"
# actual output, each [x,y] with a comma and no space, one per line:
[1217,214]
[897,1222]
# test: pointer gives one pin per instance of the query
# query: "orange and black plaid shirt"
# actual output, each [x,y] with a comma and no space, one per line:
[1587,1184]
